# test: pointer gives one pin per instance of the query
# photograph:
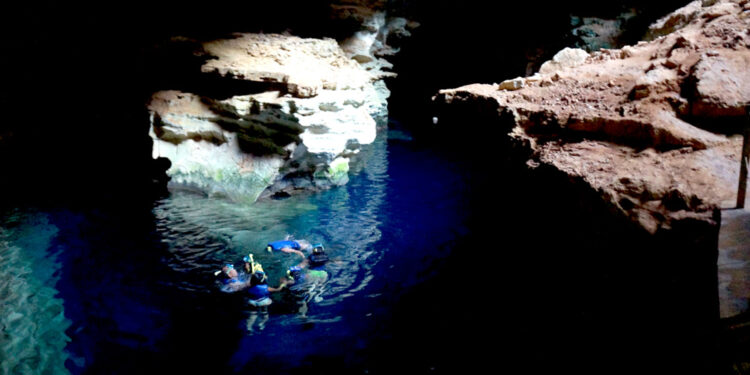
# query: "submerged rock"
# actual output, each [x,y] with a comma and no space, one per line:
[311,108]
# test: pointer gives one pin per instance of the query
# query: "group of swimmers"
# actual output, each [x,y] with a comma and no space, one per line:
[301,280]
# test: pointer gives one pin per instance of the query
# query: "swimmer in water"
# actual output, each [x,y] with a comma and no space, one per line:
[230,279]
[259,298]
[289,245]
[307,279]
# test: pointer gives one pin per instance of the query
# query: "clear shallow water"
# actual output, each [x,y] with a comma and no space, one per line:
[131,288]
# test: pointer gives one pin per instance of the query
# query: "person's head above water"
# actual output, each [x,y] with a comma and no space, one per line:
[318,257]
[229,271]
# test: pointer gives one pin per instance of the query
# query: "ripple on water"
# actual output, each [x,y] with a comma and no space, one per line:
[33,322]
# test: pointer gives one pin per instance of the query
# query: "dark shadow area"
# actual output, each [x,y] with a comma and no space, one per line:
[77,77]
[565,285]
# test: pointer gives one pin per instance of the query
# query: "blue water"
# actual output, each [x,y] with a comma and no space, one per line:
[130,288]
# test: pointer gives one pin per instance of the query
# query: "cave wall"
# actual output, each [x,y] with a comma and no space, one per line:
[77,75]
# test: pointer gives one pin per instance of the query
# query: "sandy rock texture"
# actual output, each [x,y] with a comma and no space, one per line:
[305,66]
[648,127]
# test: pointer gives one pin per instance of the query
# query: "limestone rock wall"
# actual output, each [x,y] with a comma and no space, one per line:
[621,160]
[308,109]
[648,126]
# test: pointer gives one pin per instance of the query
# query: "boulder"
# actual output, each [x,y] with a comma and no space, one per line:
[722,84]
[566,58]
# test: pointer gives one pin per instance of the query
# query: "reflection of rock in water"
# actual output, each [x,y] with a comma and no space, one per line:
[353,223]
[33,321]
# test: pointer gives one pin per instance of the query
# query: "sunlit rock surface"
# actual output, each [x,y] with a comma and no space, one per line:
[370,45]
[315,108]
[645,126]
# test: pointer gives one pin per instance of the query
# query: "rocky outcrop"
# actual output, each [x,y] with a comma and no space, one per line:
[642,126]
[309,109]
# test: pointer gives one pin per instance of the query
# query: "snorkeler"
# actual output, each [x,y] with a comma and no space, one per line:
[259,298]
[259,293]
[306,280]
[230,279]
[318,258]
[289,245]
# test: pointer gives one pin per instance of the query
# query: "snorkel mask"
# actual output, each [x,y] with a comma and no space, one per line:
[318,248]
[225,269]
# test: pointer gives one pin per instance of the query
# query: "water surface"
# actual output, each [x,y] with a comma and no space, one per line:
[130,287]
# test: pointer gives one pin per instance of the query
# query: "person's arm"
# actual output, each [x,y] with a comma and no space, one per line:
[290,250]
[304,263]
[283,284]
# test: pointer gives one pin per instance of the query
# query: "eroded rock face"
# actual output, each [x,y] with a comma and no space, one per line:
[623,122]
[315,109]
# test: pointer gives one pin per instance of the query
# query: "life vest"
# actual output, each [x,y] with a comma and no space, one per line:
[278,245]
[258,292]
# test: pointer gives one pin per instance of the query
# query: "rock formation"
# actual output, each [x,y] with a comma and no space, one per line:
[644,126]
[306,111]
[631,153]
